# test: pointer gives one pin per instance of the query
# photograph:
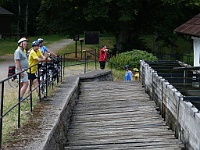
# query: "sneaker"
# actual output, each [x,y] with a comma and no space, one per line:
[44,98]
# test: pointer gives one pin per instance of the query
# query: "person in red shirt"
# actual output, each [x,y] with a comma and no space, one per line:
[103,57]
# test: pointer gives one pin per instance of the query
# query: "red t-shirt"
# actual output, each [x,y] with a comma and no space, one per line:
[103,54]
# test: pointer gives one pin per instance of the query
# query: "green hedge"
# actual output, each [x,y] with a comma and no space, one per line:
[132,58]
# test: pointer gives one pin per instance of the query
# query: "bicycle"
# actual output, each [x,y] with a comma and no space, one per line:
[43,85]
[57,67]
[48,72]
[13,81]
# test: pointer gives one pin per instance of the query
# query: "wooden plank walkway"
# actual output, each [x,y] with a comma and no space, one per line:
[118,115]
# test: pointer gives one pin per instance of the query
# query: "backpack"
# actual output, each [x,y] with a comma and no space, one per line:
[11,71]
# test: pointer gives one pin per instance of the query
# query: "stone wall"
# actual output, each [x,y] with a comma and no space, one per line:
[57,137]
[181,116]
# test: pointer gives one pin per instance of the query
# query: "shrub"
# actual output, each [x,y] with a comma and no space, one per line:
[132,58]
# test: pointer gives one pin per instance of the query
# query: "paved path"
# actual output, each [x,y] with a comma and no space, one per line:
[8,59]
[118,115]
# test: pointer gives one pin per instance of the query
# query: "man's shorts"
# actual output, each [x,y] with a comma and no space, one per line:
[24,78]
[31,76]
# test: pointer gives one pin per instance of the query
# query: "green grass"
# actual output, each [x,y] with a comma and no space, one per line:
[10,121]
[108,41]
[9,45]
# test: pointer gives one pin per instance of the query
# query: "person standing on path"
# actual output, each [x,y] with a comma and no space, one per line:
[34,58]
[45,51]
[128,75]
[21,64]
[103,57]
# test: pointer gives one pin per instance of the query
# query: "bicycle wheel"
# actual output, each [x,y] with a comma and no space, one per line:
[13,82]
[50,78]
[43,84]
[43,88]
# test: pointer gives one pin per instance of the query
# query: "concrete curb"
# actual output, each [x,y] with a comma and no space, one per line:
[53,118]
[57,138]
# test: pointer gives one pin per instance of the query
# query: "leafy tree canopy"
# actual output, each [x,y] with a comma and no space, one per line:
[125,19]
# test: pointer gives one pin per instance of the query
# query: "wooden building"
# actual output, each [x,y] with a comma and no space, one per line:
[192,28]
[5,22]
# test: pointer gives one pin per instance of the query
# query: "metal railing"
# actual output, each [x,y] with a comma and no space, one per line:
[97,57]
[89,56]
[187,58]
[18,104]
[82,59]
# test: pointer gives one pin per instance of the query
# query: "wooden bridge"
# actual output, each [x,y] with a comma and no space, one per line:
[118,115]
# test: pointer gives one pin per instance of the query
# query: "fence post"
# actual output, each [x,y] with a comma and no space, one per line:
[38,77]
[30,90]
[1,119]
[64,66]
[46,80]
[19,100]
[95,59]
[84,60]
[61,66]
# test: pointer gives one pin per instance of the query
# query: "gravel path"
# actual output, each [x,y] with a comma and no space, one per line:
[8,59]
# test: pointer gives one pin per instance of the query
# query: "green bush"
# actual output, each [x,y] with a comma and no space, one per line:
[132,58]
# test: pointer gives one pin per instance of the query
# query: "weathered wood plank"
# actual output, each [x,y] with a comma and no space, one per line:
[118,115]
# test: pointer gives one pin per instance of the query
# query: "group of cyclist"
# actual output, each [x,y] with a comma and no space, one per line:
[25,59]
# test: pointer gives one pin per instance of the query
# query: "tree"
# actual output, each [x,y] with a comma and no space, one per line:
[114,16]
[25,12]
[125,19]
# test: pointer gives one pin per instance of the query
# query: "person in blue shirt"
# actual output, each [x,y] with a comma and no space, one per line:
[45,51]
[128,74]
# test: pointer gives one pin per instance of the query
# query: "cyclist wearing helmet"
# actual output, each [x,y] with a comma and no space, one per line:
[45,51]
[21,64]
[128,74]
[34,58]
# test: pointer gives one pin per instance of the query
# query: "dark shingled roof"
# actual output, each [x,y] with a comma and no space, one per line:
[191,27]
[4,12]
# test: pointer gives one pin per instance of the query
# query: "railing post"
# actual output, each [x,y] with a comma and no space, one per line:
[38,78]
[64,66]
[19,100]
[61,66]
[31,96]
[95,52]
[84,60]
[46,80]
[1,119]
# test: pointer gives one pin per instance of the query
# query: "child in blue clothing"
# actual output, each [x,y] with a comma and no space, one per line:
[128,74]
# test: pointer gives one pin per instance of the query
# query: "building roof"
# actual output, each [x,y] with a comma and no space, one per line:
[4,12]
[191,27]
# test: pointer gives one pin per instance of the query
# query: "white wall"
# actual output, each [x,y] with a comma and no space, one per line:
[196,47]
[182,116]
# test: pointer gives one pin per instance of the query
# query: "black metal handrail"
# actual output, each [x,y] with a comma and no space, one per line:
[2,83]
[112,63]
[63,61]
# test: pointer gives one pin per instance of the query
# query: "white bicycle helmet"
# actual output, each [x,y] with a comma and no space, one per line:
[22,40]
[40,40]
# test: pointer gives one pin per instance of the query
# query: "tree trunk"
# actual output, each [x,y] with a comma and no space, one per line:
[121,37]
[26,20]
[19,16]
